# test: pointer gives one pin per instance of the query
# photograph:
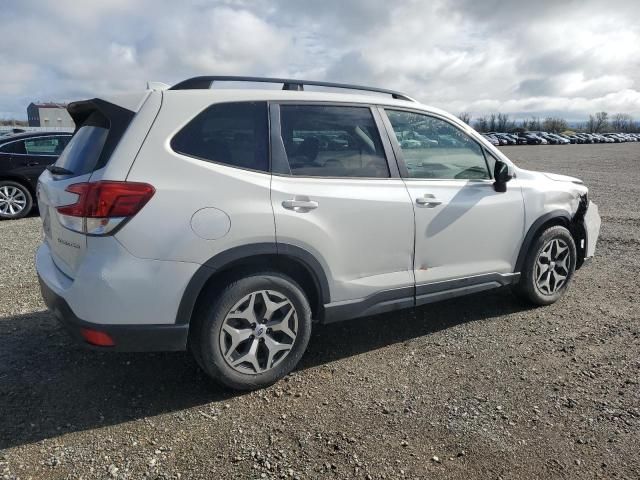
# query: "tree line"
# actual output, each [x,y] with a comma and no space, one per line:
[9,122]
[599,122]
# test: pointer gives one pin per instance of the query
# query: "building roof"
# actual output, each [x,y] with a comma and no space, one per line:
[49,105]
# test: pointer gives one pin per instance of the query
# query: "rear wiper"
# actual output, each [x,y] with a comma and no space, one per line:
[59,170]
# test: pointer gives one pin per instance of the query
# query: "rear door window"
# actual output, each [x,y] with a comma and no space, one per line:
[45,145]
[332,141]
[234,134]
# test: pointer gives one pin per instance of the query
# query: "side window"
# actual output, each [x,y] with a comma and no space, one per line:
[330,141]
[233,134]
[13,147]
[43,146]
[434,148]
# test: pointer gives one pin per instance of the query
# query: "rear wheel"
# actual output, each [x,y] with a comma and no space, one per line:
[548,268]
[254,332]
[15,200]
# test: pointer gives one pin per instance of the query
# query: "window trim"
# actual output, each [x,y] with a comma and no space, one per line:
[397,149]
[206,160]
[279,155]
[31,138]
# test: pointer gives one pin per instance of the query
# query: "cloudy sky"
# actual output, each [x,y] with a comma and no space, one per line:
[546,57]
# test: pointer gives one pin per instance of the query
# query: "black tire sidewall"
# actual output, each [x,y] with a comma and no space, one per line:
[27,193]
[528,284]
[212,318]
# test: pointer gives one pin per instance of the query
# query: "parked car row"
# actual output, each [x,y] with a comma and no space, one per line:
[546,138]
[23,157]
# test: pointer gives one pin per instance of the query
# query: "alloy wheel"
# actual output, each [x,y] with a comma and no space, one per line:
[258,332]
[552,266]
[12,200]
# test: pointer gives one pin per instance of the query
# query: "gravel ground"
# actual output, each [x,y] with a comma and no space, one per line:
[479,387]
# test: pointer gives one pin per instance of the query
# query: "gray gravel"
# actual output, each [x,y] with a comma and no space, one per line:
[480,387]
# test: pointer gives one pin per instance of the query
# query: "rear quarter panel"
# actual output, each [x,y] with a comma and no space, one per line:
[231,203]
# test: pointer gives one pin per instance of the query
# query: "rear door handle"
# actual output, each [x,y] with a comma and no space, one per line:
[299,205]
[428,200]
[33,164]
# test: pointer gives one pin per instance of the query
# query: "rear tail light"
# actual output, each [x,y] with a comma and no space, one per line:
[102,206]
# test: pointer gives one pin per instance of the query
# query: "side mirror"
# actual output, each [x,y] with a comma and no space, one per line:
[502,173]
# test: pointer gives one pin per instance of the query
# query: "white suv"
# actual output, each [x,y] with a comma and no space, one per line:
[229,221]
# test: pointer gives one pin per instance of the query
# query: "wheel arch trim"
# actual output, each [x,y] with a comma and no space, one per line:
[225,258]
[534,230]
[22,180]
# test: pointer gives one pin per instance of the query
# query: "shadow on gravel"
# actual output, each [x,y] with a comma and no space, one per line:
[49,386]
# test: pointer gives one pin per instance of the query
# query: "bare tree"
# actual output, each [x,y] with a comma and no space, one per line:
[622,122]
[534,123]
[12,122]
[493,122]
[554,124]
[481,124]
[598,122]
[465,117]
[503,124]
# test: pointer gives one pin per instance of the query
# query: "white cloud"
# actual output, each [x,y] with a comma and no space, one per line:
[571,57]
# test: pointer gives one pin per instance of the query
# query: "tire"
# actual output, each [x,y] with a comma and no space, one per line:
[15,200]
[257,355]
[541,287]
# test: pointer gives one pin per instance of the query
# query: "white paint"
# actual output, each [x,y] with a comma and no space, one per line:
[210,223]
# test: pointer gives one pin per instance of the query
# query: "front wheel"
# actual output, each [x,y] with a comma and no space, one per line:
[548,268]
[254,332]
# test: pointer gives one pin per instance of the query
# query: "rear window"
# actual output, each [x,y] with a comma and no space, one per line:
[83,151]
[101,126]
[234,134]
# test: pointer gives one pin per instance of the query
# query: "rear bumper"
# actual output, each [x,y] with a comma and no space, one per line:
[127,338]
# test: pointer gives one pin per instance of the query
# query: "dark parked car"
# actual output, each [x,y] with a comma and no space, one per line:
[507,138]
[23,157]
[531,138]
[13,131]
[519,140]
[587,138]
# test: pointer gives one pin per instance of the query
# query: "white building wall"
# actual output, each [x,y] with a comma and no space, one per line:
[55,117]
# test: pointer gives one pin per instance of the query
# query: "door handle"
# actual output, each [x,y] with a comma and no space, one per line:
[33,164]
[428,200]
[299,205]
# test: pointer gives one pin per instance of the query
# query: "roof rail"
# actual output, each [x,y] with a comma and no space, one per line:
[205,83]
